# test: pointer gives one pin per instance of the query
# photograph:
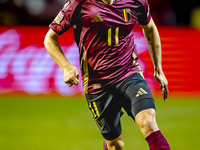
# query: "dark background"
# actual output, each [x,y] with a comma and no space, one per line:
[42,12]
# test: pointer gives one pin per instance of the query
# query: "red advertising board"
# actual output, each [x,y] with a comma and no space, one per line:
[25,65]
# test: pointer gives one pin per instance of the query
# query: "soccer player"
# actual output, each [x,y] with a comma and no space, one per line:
[112,77]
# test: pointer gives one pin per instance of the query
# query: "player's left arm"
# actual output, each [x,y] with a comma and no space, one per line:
[154,45]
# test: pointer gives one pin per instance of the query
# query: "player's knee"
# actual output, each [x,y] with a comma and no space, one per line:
[146,121]
[148,126]
[115,145]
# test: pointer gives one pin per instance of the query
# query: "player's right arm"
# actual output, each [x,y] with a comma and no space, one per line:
[71,75]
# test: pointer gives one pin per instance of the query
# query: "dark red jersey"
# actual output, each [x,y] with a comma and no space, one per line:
[104,35]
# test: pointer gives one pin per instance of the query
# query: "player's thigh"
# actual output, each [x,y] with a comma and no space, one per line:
[136,95]
[106,112]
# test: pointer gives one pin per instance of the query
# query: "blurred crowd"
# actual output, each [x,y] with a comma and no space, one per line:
[42,12]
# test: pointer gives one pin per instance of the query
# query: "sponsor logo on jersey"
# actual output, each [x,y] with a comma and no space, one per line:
[59,17]
[141,92]
[126,13]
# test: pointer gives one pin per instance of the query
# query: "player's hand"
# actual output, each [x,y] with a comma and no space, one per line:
[71,76]
[160,77]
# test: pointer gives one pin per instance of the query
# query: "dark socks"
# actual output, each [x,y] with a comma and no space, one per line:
[157,141]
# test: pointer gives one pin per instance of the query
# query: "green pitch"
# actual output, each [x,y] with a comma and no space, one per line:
[67,124]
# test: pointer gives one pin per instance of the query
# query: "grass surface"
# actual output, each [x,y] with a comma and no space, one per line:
[67,124]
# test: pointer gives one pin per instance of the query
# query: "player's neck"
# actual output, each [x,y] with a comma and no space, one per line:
[108,1]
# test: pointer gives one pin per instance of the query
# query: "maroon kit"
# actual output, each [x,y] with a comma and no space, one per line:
[105,57]
[111,75]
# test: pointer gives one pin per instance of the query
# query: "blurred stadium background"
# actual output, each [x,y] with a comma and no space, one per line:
[38,111]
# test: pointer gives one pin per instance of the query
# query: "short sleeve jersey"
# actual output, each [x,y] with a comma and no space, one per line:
[104,36]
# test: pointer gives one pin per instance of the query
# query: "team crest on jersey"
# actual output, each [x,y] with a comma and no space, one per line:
[126,13]
[59,17]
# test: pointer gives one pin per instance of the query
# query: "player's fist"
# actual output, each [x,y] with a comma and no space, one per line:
[160,77]
[71,76]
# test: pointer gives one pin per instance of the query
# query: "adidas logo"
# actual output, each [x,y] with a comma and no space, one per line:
[97,18]
[141,92]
